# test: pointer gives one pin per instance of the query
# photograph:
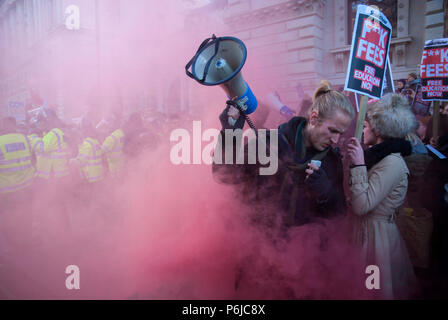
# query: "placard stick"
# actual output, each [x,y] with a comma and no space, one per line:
[361,117]
[435,121]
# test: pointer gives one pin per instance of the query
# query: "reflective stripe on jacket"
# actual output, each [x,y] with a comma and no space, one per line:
[90,158]
[36,143]
[16,169]
[54,158]
[113,149]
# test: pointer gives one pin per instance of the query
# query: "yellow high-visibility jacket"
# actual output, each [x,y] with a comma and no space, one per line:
[113,149]
[36,143]
[16,169]
[54,159]
[90,160]
[36,147]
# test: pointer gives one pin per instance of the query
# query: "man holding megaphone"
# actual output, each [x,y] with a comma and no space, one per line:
[309,181]
[307,185]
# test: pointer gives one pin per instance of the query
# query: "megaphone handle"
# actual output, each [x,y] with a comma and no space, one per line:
[207,66]
[188,67]
[248,120]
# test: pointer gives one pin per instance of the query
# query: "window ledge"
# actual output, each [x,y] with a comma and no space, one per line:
[401,40]
[397,53]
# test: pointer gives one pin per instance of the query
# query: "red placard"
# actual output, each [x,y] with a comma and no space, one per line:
[369,52]
[434,70]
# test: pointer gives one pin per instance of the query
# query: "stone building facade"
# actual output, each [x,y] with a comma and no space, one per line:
[44,47]
[310,39]
[299,42]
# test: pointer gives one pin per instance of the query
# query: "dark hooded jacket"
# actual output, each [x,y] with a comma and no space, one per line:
[287,193]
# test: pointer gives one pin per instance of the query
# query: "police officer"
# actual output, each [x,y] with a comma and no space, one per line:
[90,152]
[113,150]
[53,173]
[16,178]
[54,159]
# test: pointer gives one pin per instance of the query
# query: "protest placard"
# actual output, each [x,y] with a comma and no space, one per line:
[368,58]
[434,70]
[369,52]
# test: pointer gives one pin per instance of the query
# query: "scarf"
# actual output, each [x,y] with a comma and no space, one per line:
[381,150]
[291,133]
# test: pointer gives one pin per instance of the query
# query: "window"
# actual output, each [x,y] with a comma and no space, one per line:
[388,7]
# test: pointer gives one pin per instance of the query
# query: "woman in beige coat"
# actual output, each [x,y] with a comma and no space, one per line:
[378,185]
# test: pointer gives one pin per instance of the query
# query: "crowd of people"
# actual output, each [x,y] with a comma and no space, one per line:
[48,149]
[395,191]
[64,187]
[50,171]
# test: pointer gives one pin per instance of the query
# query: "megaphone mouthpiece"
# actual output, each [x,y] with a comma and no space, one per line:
[221,63]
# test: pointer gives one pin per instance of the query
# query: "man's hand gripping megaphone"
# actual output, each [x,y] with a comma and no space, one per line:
[231,117]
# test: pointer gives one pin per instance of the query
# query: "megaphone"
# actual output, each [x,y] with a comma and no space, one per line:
[272,100]
[219,61]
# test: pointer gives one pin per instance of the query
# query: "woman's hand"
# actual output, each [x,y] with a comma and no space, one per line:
[355,152]
[433,143]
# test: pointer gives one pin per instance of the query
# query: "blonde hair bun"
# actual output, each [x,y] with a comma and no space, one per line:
[324,87]
[327,101]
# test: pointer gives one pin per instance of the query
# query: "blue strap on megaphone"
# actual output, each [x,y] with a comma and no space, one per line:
[207,66]
[248,100]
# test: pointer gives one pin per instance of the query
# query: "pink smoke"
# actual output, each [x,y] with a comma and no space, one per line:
[165,231]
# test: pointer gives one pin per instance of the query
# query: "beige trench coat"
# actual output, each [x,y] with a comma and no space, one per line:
[375,196]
